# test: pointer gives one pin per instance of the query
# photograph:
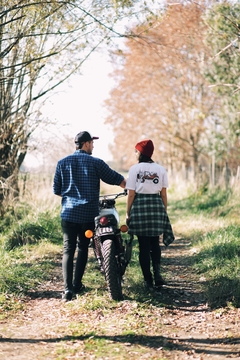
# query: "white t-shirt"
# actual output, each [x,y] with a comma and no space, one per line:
[147,178]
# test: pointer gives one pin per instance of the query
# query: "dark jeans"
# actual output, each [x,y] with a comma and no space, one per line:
[149,250]
[73,235]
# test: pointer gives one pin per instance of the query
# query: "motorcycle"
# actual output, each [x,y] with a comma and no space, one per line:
[112,253]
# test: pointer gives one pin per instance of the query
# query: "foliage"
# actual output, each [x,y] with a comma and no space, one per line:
[223,40]
[222,72]
[161,92]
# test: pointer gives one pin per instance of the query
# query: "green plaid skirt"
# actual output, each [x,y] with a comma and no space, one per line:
[148,217]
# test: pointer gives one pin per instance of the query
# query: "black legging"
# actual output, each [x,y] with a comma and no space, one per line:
[149,249]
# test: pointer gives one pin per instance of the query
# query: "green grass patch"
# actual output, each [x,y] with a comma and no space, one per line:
[31,229]
[29,242]
[218,258]
[210,220]
[220,245]
[206,202]
[22,269]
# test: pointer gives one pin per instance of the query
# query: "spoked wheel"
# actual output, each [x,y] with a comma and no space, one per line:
[112,274]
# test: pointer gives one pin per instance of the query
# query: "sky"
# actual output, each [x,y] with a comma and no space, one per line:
[80,105]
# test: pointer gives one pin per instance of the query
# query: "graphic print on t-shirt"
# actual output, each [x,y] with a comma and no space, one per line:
[147,175]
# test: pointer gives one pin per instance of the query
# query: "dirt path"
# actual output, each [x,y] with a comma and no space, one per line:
[190,330]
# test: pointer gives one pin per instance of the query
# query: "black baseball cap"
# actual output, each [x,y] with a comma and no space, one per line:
[83,137]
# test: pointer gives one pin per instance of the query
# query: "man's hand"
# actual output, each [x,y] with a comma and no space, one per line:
[123,183]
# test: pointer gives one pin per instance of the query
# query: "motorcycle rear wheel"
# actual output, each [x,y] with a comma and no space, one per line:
[112,274]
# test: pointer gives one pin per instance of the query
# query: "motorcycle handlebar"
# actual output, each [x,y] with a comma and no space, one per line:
[114,196]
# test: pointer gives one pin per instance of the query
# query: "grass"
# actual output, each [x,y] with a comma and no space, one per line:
[23,268]
[28,245]
[31,237]
[211,222]
[218,259]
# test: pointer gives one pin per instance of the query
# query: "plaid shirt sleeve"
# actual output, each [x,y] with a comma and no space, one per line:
[108,175]
[57,183]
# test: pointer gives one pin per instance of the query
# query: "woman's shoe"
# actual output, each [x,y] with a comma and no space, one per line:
[159,281]
[148,285]
[79,289]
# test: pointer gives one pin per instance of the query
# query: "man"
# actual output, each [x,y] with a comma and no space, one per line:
[77,181]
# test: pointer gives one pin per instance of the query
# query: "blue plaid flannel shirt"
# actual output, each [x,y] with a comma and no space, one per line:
[77,180]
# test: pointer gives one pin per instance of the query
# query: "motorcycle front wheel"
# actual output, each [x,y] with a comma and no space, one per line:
[112,274]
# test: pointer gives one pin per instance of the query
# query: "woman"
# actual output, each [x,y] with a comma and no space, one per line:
[147,211]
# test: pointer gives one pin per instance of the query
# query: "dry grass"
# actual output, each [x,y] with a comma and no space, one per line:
[187,227]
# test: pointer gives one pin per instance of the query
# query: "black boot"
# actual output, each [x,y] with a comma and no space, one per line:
[148,283]
[157,276]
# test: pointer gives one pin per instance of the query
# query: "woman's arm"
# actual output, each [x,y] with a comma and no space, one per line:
[131,196]
[163,195]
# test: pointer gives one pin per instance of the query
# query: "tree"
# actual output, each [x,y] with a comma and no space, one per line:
[42,43]
[222,72]
[161,91]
